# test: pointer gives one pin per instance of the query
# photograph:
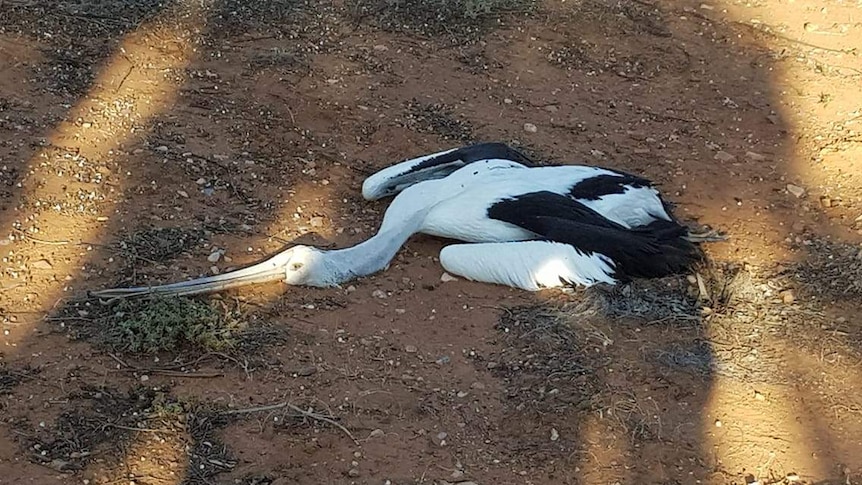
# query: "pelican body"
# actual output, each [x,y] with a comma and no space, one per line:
[520,225]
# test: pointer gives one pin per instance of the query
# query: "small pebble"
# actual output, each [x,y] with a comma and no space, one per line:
[214,257]
[755,157]
[380,294]
[796,190]
[530,128]
[555,435]
[410,349]
[723,156]
[718,423]
[446,277]
[307,371]
[377,433]
[145,378]
[41,264]
[353,472]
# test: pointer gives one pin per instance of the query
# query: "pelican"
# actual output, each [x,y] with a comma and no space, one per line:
[520,225]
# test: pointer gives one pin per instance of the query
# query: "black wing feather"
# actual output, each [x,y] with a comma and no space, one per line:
[655,250]
[470,154]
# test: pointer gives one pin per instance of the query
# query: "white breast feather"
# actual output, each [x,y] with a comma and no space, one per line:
[529,265]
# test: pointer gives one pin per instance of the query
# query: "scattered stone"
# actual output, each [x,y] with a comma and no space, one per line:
[463,394]
[380,48]
[796,190]
[410,349]
[758,396]
[353,473]
[718,423]
[377,433]
[530,128]
[446,277]
[183,194]
[774,119]
[162,148]
[379,294]
[443,360]
[317,221]
[755,157]
[457,475]
[725,157]
[477,385]
[41,264]
[439,439]
[201,181]
[826,202]
[214,256]
[555,435]
[787,296]
[307,371]
[145,378]
[798,226]
[215,270]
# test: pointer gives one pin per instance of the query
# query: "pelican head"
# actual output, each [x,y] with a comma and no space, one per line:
[299,265]
[304,266]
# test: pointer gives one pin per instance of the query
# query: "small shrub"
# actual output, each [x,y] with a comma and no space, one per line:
[169,324]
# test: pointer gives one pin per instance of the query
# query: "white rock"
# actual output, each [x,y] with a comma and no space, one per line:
[530,128]
[214,257]
[446,277]
[723,156]
[795,190]
[41,264]
[555,435]
[755,157]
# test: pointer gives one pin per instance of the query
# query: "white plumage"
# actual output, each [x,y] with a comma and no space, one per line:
[540,227]
[529,265]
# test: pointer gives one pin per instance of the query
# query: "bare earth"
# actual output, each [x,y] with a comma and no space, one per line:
[246,126]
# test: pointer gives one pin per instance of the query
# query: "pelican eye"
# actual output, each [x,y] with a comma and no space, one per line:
[296,266]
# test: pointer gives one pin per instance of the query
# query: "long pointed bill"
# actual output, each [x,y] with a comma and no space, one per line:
[273,269]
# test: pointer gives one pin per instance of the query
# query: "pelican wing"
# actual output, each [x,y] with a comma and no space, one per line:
[657,249]
[395,178]
[529,265]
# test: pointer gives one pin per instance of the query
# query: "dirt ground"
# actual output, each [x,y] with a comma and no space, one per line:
[137,138]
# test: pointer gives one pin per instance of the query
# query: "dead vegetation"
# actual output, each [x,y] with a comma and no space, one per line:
[154,325]
[161,439]
[460,21]
[436,119]
[831,270]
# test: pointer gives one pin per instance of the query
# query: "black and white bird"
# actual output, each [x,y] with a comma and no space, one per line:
[520,225]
